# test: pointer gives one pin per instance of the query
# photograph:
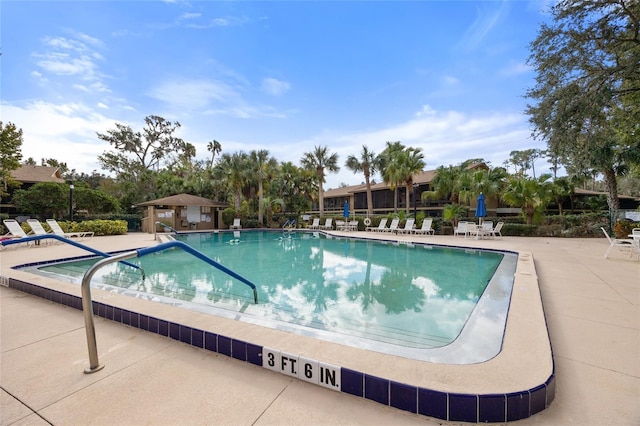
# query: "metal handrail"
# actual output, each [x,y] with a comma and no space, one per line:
[165,226]
[68,241]
[291,223]
[87,304]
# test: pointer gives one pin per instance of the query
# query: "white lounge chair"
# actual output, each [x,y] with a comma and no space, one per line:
[617,242]
[408,227]
[382,225]
[393,227]
[236,224]
[473,230]
[15,230]
[426,228]
[635,235]
[461,229]
[352,225]
[38,229]
[496,231]
[315,224]
[328,224]
[57,229]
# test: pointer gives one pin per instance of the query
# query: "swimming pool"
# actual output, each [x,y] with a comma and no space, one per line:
[438,304]
[515,384]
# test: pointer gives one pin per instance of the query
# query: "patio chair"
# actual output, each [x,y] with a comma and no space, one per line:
[496,230]
[472,230]
[635,235]
[461,229]
[236,224]
[38,229]
[15,231]
[315,224]
[621,243]
[382,225]
[57,229]
[426,228]
[393,227]
[408,227]
[328,224]
[352,226]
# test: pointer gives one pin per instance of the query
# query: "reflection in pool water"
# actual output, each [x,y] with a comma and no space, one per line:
[353,291]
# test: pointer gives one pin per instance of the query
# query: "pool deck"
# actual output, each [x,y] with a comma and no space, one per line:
[591,304]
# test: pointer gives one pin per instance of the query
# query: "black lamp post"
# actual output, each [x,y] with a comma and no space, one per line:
[415,209]
[71,199]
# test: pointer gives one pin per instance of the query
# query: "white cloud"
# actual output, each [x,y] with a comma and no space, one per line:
[485,21]
[209,97]
[194,94]
[515,68]
[446,137]
[66,132]
[273,86]
[71,57]
[188,15]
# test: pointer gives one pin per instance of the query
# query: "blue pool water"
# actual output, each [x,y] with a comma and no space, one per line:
[414,300]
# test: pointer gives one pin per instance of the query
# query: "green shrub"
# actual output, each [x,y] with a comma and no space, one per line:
[228,215]
[623,228]
[519,230]
[98,226]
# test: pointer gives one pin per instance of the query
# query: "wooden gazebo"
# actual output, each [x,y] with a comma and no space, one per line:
[182,212]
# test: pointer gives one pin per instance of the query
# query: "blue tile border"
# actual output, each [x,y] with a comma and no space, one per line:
[433,403]
[473,408]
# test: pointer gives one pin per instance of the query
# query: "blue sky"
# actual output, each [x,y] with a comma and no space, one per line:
[446,76]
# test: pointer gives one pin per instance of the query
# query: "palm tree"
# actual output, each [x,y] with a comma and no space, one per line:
[214,147]
[234,168]
[320,160]
[561,189]
[411,162]
[263,168]
[368,164]
[444,184]
[453,213]
[391,169]
[489,182]
[531,195]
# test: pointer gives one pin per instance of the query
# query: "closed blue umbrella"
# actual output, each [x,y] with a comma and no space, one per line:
[346,210]
[481,208]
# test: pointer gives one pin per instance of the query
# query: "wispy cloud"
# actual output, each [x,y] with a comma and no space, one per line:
[486,20]
[71,125]
[71,56]
[210,97]
[194,94]
[515,68]
[225,21]
[446,137]
[273,86]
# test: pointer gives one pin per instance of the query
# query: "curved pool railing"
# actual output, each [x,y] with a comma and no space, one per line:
[87,304]
[68,241]
[165,226]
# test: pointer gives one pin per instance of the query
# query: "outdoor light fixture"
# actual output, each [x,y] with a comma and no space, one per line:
[71,198]
[415,209]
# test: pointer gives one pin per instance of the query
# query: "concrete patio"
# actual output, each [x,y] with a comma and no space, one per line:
[592,308]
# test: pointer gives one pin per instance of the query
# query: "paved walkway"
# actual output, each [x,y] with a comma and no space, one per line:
[592,308]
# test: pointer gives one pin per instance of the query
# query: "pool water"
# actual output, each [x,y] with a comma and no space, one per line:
[353,291]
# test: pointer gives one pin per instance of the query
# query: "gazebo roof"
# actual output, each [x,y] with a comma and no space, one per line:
[182,200]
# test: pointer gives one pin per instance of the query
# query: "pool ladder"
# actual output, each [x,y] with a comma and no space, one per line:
[289,227]
[87,303]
